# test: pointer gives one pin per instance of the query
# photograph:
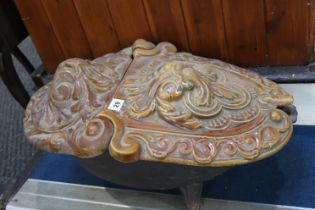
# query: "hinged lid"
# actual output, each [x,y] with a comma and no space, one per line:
[152,103]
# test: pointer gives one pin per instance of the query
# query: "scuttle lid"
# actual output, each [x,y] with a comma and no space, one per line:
[153,103]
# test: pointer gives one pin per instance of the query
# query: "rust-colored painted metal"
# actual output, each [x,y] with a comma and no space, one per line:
[174,107]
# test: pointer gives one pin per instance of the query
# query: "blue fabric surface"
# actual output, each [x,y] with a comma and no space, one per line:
[287,178]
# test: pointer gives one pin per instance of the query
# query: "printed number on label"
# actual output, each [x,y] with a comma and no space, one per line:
[116,104]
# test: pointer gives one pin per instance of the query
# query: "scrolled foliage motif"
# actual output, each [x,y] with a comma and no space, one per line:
[203,98]
[62,116]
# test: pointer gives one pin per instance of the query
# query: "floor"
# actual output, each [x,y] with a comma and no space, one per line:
[38,194]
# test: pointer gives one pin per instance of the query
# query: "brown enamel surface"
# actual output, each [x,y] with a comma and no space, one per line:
[177,108]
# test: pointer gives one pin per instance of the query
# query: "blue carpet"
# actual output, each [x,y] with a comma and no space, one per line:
[287,178]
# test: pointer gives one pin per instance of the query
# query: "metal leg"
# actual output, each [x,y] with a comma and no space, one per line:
[192,195]
[11,79]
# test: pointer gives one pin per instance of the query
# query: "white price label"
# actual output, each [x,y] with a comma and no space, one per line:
[116,104]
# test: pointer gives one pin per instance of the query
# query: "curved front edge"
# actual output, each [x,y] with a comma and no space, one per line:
[269,137]
[63,116]
[127,152]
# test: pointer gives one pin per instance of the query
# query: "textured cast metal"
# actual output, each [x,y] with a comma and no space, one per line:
[178,108]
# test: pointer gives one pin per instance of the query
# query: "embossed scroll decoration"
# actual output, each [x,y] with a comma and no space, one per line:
[61,116]
[179,108]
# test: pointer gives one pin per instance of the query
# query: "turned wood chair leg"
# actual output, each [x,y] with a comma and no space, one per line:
[11,79]
[23,60]
[36,76]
